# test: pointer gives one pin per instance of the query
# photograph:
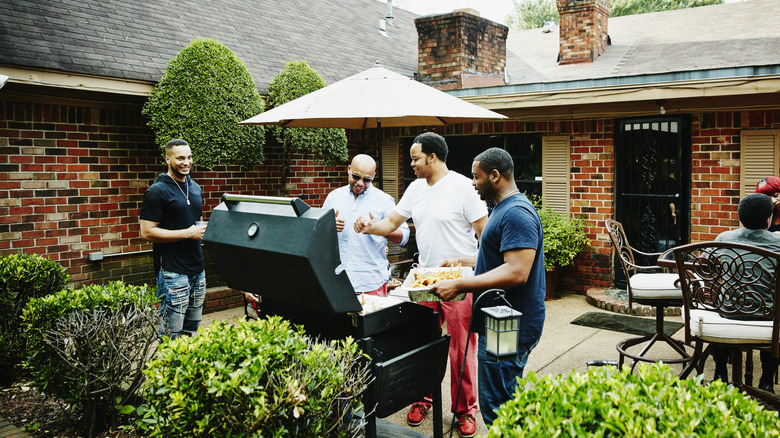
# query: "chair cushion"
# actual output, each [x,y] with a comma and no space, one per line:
[711,327]
[655,286]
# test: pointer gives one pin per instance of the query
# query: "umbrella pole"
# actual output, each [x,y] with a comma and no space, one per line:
[379,152]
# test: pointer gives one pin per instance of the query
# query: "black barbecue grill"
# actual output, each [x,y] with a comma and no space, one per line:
[287,252]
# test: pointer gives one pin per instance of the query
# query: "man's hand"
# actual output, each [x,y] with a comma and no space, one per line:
[196,232]
[363,225]
[445,289]
[339,223]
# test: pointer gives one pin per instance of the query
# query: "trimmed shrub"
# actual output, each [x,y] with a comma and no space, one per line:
[564,238]
[254,378]
[327,146]
[22,277]
[203,94]
[652,402]
[88,347]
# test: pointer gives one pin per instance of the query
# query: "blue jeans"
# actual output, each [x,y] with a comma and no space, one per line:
[181,301]
[497,380]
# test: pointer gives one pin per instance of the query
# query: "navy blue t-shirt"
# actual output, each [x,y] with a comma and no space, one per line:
[515,224]
[166,204]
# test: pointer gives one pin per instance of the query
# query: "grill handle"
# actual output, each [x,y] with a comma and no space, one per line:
[297,204]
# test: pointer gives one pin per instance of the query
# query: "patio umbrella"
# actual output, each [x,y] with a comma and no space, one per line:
[371,99]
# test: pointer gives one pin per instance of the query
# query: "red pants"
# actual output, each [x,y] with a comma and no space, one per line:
[458,315]
[380,292]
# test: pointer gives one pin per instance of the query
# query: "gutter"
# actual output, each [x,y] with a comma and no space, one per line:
[687,84]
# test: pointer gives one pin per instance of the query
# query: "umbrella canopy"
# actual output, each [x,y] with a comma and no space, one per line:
[374,98]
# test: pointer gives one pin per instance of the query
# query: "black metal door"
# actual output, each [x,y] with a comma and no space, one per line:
[653,174]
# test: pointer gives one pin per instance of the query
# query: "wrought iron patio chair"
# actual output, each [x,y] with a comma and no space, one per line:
[648,286]
[729,295]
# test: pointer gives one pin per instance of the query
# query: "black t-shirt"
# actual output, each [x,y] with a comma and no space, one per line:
[166,204]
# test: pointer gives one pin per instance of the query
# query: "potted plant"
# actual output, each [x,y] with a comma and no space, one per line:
[564,238]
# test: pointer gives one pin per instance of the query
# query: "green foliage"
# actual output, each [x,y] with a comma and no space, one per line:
[652,402]
[253,378]
[327,146]
[203,94]
[532,14]
[22,277]
[564,237]
[632,7]
[87,347]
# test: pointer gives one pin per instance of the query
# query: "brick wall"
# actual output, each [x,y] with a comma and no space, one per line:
[72,180]
[583,29]
[460,50]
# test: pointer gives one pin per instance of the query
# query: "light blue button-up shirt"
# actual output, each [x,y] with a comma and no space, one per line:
[363,256]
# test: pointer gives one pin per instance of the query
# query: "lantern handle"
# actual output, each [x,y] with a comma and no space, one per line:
[501,294]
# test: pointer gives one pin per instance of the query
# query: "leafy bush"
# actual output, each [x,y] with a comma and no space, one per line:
[254,378]
[87,347]
[564,238]
[327,146]
[653,402]
[22,277]
[203,94]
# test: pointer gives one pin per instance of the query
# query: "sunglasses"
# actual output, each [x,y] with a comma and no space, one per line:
[357,177]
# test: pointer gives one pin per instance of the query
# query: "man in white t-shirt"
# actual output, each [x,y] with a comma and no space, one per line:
[447,215]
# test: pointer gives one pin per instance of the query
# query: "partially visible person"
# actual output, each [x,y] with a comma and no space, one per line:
[171,208]
[770,186]
[364,256]
[755,212]
[448,216]
[511,257]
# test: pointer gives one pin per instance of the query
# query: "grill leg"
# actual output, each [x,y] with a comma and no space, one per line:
[371,426]
[437,421]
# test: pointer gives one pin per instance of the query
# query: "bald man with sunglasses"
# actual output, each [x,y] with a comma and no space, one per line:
[364,256]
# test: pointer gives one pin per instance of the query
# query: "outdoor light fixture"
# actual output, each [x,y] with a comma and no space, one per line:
[661,109]
[502,329]
[3,80]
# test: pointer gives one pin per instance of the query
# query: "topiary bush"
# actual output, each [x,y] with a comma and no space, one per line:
[328,146]
[203,94]
[652,402]
[22,277]
[88,347]
[254,378]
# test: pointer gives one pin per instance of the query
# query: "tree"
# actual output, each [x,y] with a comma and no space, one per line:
[327,146]
[633,7]
[531,14]
[203,94]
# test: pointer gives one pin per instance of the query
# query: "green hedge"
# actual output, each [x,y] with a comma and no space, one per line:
[253,378]
[652,402]
[22,277]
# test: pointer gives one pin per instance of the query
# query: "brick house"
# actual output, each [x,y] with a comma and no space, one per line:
[609,117]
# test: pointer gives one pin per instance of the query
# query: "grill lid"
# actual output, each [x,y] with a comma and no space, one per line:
[280,248]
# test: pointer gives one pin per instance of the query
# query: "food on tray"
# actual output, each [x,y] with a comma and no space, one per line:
[427,279]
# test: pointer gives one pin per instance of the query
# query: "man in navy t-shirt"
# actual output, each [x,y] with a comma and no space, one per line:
[511,257]
[172,207]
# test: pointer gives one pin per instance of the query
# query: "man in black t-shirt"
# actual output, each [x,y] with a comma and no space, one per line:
[172,207]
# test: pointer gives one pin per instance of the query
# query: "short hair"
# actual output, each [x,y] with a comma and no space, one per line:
[496,158]
[433,143]
[768,186]
[174,142]
[755,210]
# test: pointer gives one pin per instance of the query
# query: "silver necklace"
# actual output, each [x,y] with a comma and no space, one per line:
[508,195]
[187,196]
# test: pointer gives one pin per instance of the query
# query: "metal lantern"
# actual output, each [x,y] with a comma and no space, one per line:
[502,330]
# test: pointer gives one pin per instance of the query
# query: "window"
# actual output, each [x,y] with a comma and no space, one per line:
[526,151]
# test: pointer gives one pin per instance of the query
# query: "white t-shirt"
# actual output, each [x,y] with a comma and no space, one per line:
[442,217]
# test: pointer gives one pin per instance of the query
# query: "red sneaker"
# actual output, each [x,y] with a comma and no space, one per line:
[416,414]
[467,426]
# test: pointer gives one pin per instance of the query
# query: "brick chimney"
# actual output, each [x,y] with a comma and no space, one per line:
[583,29]
[460,50]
